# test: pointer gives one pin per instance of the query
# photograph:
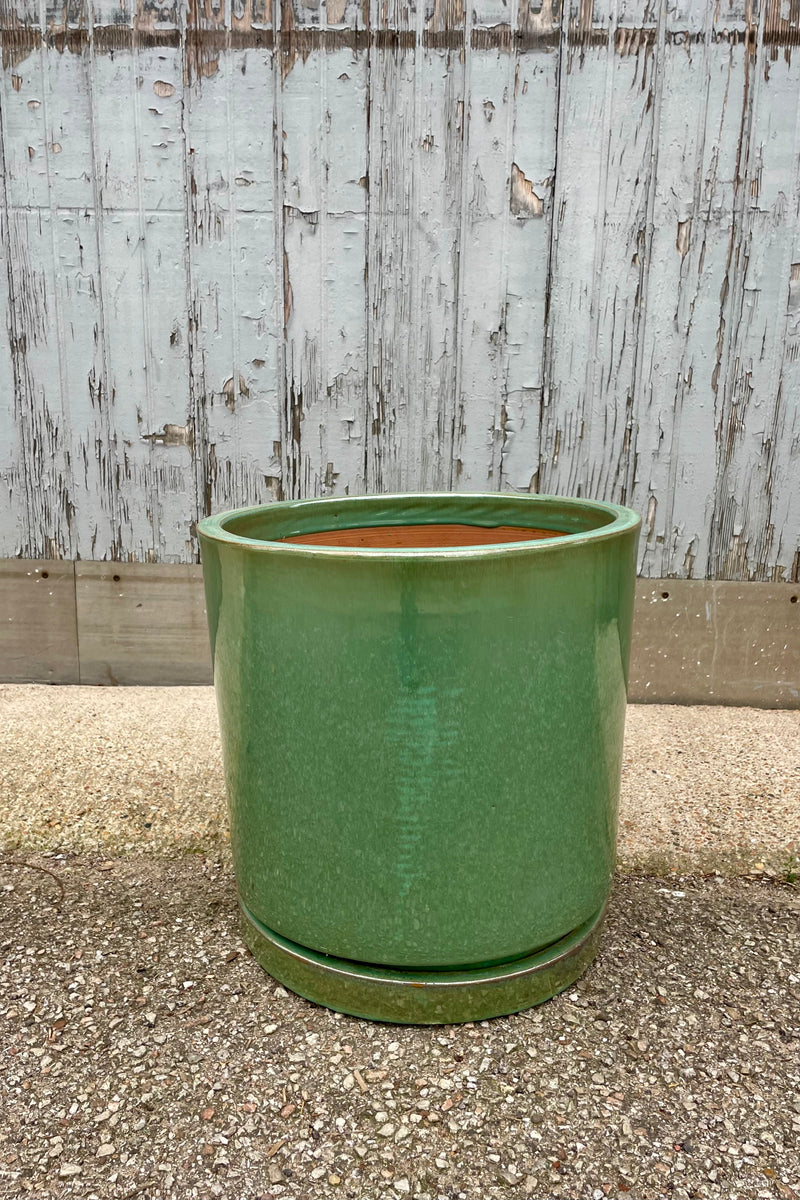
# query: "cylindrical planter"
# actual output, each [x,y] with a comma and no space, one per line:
[422,703]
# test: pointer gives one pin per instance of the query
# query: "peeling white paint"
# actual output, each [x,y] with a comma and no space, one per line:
[283,252]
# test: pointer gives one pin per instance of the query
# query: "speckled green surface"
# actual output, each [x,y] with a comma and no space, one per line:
[425,997]
[422,748]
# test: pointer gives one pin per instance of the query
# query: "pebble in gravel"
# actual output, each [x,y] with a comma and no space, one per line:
[134,1023]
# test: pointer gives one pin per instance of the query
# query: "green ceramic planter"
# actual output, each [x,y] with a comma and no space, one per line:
[422,743]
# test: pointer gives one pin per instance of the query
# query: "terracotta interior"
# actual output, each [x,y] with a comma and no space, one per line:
[399,537]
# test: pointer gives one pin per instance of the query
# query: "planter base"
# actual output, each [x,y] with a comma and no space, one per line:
[424,997]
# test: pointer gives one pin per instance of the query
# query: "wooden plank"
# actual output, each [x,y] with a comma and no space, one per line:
[507,214]
[322,115]
[755,524]
[235,315]
[391,156]
[77,312]
[25,133]
[441,89]
[611,92]
[41,477]
[14,495]
[717,432]
[38,629]
[693,196]
[788,517]
[162,241]
[484,269]
[699,642]
[529,224]
[323,109]
[143,250]
[91,431]
[124,505]
[141,624]
[43,472]
[417,131]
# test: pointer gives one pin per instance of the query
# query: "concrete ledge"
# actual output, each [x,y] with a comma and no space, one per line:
[141,623]
[38,622]
[695,641]
[701,642]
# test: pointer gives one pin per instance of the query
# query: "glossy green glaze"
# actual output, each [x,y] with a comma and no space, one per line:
[422,747]
[425,997]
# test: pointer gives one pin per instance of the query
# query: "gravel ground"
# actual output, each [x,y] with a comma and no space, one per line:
[124,770]
[145,1055]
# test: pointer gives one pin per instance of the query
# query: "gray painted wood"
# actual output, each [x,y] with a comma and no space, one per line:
[260,250]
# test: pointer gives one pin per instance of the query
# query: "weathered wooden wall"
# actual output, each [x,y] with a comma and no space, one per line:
[301,247]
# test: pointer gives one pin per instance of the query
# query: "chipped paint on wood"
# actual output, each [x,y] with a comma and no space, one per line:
[259,250]
[323,230]
[600,259]
[509,170]
[416,195]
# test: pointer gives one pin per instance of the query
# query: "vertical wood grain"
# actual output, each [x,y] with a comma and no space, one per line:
[139,151]
[234,313]
[533,172]
[324,214]
[611,95]
[692,212]
[507,215]
[42,476]
[258,250]
[756,513]
[717,444]
[391,379]
[484,256]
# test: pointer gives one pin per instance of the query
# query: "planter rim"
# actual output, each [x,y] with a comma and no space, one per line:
[622,520]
